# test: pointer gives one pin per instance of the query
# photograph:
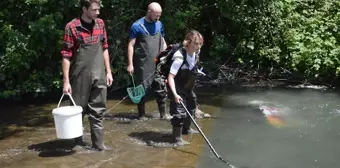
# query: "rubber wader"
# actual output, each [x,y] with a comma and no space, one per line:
[147,48]
[89,89]
[184,83]
[177,136]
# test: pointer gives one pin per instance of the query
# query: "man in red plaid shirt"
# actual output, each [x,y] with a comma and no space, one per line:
[86,68]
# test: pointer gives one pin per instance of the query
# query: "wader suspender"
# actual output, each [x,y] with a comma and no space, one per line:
[184,53]
[147,32]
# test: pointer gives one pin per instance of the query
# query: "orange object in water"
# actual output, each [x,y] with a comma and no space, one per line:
[275,120]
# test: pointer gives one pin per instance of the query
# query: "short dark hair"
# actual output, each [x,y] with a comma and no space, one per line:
[87,3]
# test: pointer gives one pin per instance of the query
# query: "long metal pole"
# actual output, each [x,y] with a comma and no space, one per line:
[206,139]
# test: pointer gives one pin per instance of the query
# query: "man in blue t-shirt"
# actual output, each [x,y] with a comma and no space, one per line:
[145,43]
[151,27]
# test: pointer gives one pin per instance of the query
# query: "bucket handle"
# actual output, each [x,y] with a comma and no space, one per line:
[70,98]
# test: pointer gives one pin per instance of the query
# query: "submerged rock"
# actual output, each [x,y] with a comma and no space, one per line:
[200,114]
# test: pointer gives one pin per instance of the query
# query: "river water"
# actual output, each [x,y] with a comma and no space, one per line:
[299,129]
[251,128]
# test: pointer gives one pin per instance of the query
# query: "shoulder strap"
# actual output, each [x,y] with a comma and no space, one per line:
[159,25]
[197,58]
[143,27]
[197,61]
[184,53]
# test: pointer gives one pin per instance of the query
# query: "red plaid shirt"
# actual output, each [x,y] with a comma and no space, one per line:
[74,32]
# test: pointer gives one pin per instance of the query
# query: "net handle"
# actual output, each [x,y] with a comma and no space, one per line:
[133,81]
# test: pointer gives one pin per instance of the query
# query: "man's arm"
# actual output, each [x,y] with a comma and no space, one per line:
[107,62]
[163,34]
[109,78]
[130,55]
[130,51]
[66,70]
[106,51]
[66,53]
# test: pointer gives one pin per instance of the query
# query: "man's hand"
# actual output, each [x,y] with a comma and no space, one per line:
[67,88]
[109,79]
[130,69]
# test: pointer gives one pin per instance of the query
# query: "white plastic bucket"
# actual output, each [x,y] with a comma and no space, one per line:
[68,120]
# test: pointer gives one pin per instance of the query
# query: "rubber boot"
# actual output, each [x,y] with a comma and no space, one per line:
[97,137]
[161,108]
[141,109]
[186,127]
[177,137]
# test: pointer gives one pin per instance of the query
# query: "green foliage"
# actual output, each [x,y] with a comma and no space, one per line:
[312,36]
[219,49]
[301,36]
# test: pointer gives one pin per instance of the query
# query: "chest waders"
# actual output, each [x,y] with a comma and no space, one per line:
[89,89]
[184,83]
[146,49]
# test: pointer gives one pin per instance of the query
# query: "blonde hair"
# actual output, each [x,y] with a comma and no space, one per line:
[192,36]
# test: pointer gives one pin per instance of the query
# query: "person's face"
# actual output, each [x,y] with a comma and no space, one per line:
[93,11]
[154,15]
[196,44]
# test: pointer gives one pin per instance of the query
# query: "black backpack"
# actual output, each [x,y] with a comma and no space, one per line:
[164,59]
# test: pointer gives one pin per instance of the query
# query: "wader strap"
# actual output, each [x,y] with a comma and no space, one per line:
[147,32]
[144,28]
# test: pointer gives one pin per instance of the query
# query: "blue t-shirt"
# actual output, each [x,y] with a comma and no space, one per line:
[152,28]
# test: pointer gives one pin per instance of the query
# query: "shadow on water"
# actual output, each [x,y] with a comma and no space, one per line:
[54,148]
[15,118]
[26,113]
[153,138]
[158,140]
[122,116]
[126,117]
